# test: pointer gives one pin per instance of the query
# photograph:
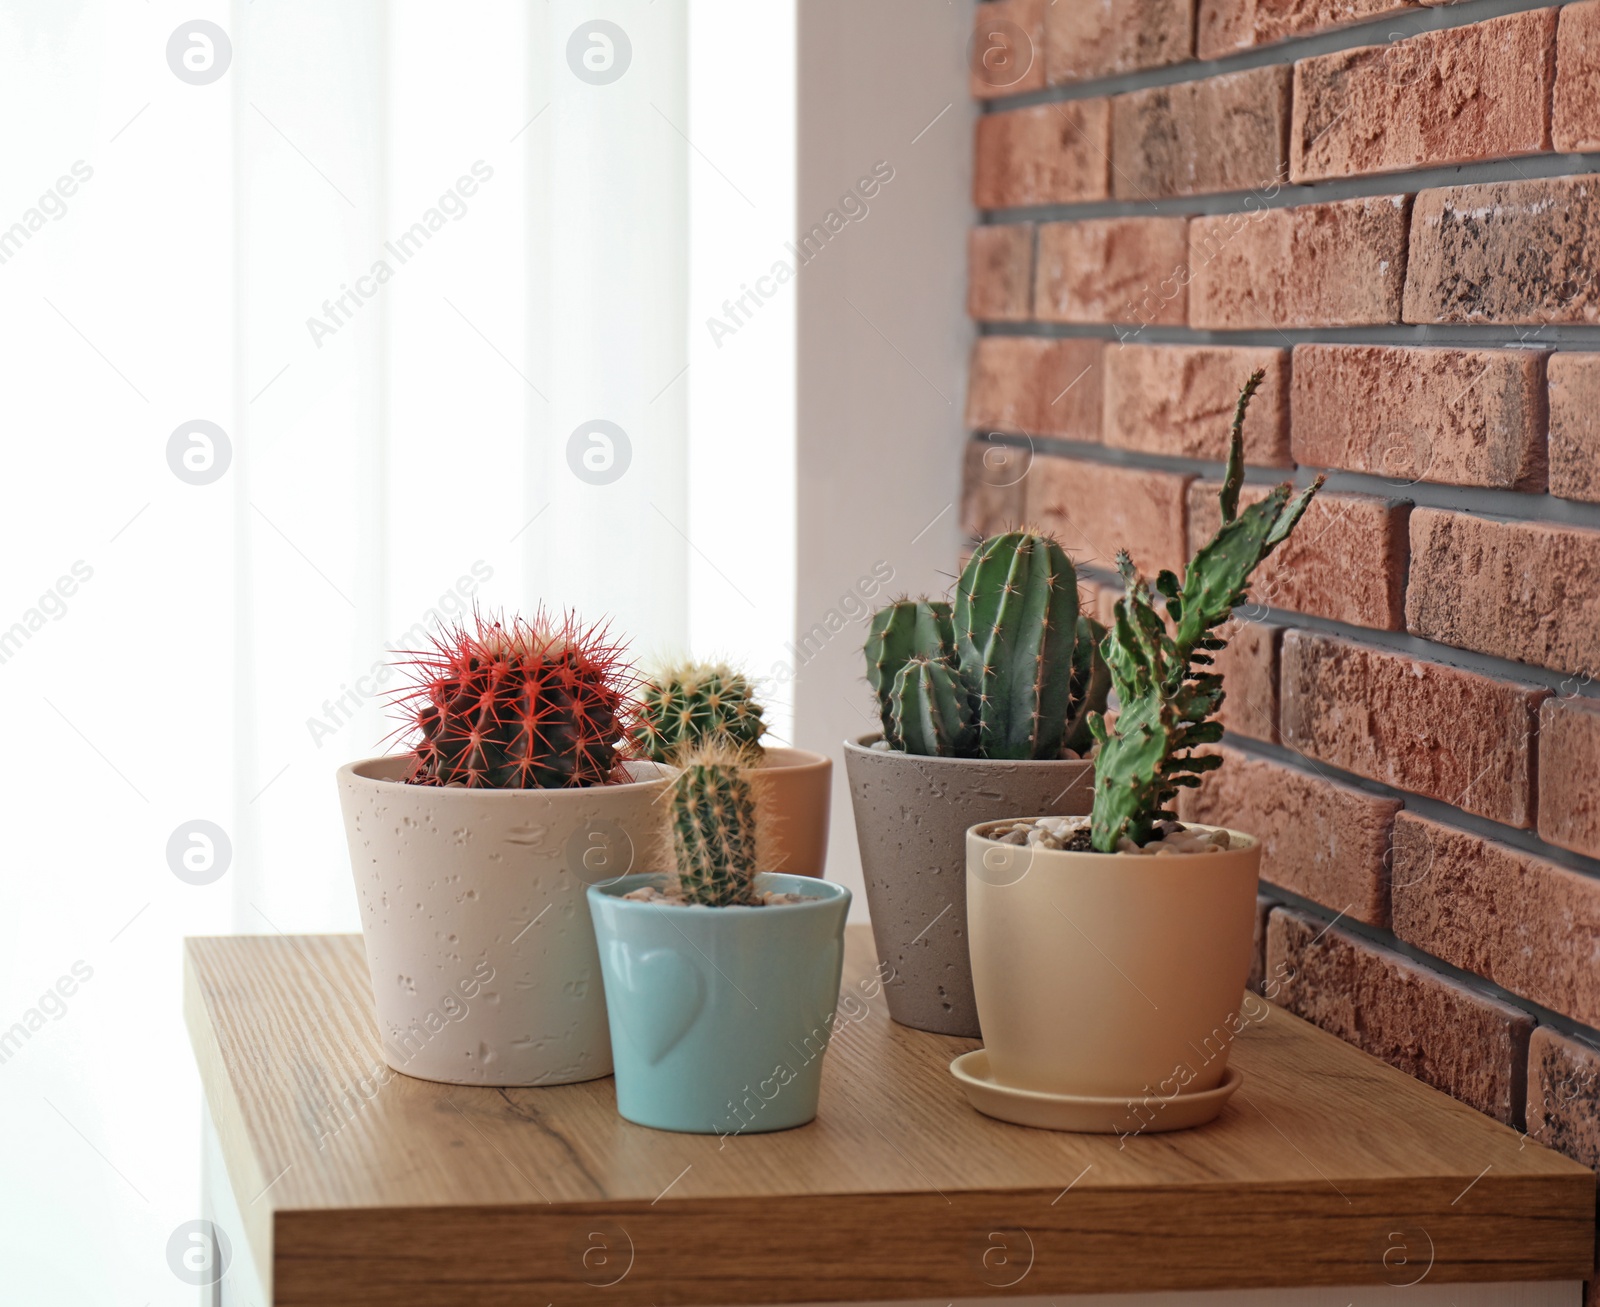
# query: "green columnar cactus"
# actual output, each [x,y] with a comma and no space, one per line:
[1016,620]
[691,702]
[714,826]
[1166,698]
[1014,640]
[906,629]
[930,710]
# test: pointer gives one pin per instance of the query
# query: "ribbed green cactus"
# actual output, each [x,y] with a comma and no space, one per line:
[1013,641]
[1166,699]
[690,702]
[1016,620]
[714,826]
[905,629]
[931,712]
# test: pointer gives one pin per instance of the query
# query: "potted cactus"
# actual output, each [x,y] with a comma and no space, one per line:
[472,848]
[686,704]
[984,704]
[1109,954]
[721,982]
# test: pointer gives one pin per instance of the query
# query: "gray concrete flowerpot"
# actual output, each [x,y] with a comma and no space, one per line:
[912,814]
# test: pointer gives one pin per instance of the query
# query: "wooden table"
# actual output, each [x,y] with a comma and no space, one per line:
[353,1184]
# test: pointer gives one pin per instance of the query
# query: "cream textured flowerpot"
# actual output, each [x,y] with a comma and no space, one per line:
[793,789]
[478,935]
[1108,974]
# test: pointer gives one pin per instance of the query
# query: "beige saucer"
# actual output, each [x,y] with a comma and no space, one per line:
[1088,1116]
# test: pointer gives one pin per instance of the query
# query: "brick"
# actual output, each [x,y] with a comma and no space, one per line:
[1438,731]
[1476,92]
[1096,509]
[1023,385]
[1524,922]
[1229,25]
[1528,591]
[1320,839]
[1000,273]
[1222,134]
[1097,38]
[1258,956]
[1249,668]
[1506,252]
[1112,270]
[1465,1044]
[1468,417]
[1575,426]
[1007,52]
[993,490]
[1575,121]
[1569,762]
[1318,265]
[1056,153]
[1346,559]
[1179,400]
[1564,1095]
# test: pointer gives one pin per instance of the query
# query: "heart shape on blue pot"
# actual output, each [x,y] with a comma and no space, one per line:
[665,992]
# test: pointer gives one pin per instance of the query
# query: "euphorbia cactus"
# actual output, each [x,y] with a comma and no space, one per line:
[692,702]
[519,705]
[714,826]
[1014,642]
[1165,695]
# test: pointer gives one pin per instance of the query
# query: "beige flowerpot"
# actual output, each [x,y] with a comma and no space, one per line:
[793,789]
[478,935]
[1109,975]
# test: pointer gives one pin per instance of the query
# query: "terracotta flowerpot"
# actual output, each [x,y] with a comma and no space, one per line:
[478,935]
[1109,975]
[912,814]
[793,789]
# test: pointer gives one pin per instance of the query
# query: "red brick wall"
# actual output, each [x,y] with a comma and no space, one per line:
[1404,232]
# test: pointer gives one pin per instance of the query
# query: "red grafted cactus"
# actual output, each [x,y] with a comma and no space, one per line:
[519,704]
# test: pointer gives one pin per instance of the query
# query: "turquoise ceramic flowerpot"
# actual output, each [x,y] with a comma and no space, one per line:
[720,1016]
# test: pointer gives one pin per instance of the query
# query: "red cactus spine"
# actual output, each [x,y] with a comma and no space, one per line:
[519,705]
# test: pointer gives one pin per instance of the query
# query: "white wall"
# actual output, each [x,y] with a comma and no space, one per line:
[740,375]
[882,341]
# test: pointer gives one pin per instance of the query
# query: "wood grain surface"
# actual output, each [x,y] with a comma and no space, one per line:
[359,1184]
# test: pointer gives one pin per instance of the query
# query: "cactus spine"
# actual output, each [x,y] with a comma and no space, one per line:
[1166,696]
[518,705]
[692,702]
[1013,643]
[714,826]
